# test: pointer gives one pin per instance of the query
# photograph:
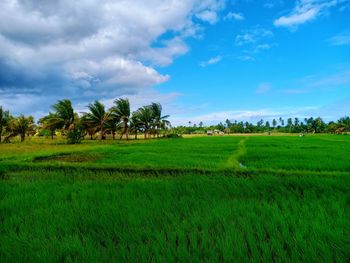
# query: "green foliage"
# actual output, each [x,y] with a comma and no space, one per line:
[19,126]
[173,136]
[214,199]
[74,136]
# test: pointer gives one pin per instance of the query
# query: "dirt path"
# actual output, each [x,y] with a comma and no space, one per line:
[232,161]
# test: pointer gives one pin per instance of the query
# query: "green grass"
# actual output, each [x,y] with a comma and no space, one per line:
[186,200]
[315,153]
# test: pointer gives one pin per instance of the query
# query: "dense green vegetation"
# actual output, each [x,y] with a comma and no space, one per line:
[217,199]
[290,125]
[100,122]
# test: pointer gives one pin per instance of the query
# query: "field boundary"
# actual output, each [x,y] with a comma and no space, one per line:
[163,172]
[233,160]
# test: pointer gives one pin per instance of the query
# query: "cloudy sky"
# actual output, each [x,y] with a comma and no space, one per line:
[204,60]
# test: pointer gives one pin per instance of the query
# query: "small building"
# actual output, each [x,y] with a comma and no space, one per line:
[214,132]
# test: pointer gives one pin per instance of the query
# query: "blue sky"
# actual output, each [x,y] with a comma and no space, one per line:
[203,60]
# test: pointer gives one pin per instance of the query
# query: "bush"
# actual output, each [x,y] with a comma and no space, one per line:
[74,136]
[173,136]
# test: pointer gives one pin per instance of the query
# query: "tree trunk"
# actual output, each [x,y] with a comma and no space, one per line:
[135,134]
[113,135]
[102,134]
[126,131]
[23,137]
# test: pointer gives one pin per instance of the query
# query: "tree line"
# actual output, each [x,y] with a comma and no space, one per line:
[291,125]
[96,122]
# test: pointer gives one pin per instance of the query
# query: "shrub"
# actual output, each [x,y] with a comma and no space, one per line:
[74,136]
[173,136]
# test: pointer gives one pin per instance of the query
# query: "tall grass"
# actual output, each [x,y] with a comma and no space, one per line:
[177,200]
[196,218]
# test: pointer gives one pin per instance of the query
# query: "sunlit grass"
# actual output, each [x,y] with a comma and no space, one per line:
[215,199]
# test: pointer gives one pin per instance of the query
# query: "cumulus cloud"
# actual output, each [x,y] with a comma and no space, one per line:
[211,61]
[304,11]
[252,36]
[92,49]
[253,41]
[234,16]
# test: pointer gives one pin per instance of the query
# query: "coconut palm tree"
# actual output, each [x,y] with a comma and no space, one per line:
[62,117]
[18,127]
[98,118]
[122,111]
[159,121]
[112,124]
[343,125]
[135,123]
[64,113]
[4,118]
[145,116]
[51,122]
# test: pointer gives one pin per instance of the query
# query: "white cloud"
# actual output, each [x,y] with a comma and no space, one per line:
[253,41]
[328,112]
[263,88]
[246,58]
[94,49]
[340,40]
[316,82]
[252,36]
[234,16]
[208,16]
[211,61]
[304,11]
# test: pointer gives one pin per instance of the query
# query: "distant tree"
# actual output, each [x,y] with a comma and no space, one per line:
[343,125]
[281,121]
[61,118]
[220,127]
[121,110]
[4,119]
[201,124]
[18,127]
[145,116]
[64,113]
[135,123]
[274,123]
[159,121]
[50,123]
[98,118]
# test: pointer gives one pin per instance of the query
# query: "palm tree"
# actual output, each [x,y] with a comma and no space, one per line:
[18,126]
[64,112]
[112,124]
[135,123]
[4,118]
[98,118]
[343,125]
[145,115]
[50,122]
[62,117]
[159,121]
[122,112]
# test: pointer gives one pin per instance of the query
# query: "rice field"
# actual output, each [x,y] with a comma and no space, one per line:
[200,199]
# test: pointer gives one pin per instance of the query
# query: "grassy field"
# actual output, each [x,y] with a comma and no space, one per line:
[200,199]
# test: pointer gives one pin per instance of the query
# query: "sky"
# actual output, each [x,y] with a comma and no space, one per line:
[203,60]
